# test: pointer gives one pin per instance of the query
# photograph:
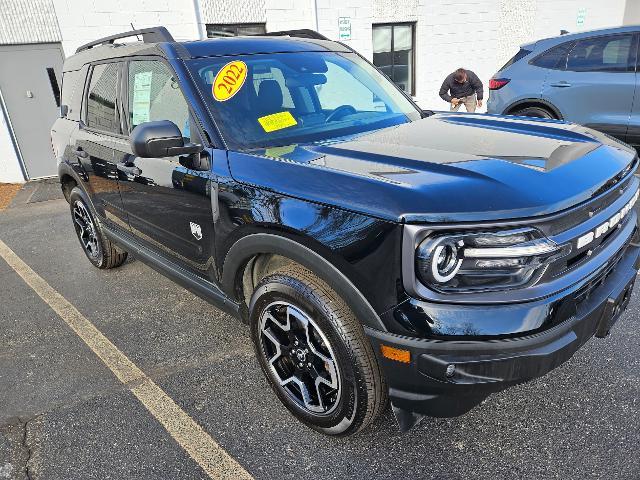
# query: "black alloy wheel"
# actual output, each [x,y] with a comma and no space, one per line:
[85,229]
[300,357]
[100,251]
[314,352]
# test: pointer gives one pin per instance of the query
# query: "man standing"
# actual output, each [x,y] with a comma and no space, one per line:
[462,86]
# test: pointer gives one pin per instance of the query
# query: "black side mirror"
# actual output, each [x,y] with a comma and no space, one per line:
[64,110]
[160,139]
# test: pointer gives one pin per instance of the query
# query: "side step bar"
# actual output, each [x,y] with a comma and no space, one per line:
[204,289]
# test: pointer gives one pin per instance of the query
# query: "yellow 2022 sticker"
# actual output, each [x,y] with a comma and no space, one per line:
[277,121]
[229,80]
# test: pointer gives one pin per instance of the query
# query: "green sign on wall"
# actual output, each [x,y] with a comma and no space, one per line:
[344,28]
[581,17]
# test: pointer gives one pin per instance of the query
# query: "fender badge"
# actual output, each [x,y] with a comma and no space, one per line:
[196,230]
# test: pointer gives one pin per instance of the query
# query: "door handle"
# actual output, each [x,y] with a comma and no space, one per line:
[135,171]
[80,153]
[562,84]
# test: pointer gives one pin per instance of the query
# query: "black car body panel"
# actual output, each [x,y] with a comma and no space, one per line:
[446,168]
[343,207]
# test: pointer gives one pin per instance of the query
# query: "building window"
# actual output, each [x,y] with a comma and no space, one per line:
[234,29]
[394,53]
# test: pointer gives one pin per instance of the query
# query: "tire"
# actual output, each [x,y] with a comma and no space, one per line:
[354,392]
[536,112]
[100,251]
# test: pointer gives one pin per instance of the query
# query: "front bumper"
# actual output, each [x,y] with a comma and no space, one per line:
[448,377]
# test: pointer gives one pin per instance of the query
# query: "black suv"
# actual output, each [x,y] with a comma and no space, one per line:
[376,250]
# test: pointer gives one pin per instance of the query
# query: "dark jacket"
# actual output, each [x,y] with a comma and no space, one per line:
[452,89]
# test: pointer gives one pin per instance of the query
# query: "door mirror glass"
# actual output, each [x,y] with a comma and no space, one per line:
[160,139]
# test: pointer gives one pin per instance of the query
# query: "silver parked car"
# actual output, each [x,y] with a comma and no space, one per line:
[587,78]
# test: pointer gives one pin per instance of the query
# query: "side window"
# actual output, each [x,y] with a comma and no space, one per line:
[101,100]
[154,94]
[555,58]
[602,54]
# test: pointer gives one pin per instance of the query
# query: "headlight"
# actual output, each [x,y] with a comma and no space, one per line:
[483,260]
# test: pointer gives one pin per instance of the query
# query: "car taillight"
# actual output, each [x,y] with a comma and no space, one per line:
[498,83]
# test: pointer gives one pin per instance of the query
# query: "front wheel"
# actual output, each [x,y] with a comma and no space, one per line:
[100,251]
[315,354]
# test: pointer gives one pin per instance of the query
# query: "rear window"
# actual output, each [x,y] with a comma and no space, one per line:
[517,57]
[554,58]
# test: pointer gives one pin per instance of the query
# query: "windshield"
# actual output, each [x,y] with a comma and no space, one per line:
[270,100]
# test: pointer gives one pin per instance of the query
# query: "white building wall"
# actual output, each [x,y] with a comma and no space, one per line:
[9,167]
[289,15]
[632,13]
[482,35]
[81,21]
[361,14]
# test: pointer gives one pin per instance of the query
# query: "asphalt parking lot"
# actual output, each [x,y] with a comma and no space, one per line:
[63,413]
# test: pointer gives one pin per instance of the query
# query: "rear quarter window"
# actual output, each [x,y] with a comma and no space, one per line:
[72,88]
[523,52]
[554,58]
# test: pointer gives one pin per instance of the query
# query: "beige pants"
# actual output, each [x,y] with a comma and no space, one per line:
[470,104]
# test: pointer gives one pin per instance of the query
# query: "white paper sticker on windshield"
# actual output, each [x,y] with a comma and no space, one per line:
[141,97]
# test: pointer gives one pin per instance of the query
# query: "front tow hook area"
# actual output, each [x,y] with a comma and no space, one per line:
[614,307]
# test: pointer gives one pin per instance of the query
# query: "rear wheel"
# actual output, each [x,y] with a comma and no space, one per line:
[97,247]
[536,112]
[315,354]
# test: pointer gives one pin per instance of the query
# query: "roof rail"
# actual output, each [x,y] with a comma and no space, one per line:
[149,35]
[302,33]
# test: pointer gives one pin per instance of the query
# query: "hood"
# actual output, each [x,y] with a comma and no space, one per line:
[444,168]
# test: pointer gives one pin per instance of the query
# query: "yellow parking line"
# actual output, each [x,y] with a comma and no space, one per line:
[197,443]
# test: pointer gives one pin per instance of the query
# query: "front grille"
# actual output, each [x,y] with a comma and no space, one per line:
[583,292]
[577,258]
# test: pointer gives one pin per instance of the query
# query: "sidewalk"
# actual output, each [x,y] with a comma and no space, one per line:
[12,195]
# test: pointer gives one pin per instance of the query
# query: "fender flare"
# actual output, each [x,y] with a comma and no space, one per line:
[245,248]
[65,169]
[541,101]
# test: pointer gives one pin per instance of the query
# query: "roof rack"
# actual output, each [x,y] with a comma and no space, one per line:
[302,33]
[149,35]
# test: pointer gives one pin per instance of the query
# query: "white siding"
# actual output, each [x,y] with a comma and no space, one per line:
[82,21]
[289,15]
[28,21]
[242,11]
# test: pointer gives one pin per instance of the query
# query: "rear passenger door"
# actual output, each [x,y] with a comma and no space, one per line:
[93,141]
[595,86]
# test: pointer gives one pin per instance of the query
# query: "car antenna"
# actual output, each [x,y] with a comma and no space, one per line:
[133,28]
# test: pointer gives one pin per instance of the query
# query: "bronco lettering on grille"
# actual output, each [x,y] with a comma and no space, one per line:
[587,238]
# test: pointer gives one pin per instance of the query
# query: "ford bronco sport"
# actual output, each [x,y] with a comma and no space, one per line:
[377,251]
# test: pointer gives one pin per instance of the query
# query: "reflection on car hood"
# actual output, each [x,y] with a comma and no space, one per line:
[447,167]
